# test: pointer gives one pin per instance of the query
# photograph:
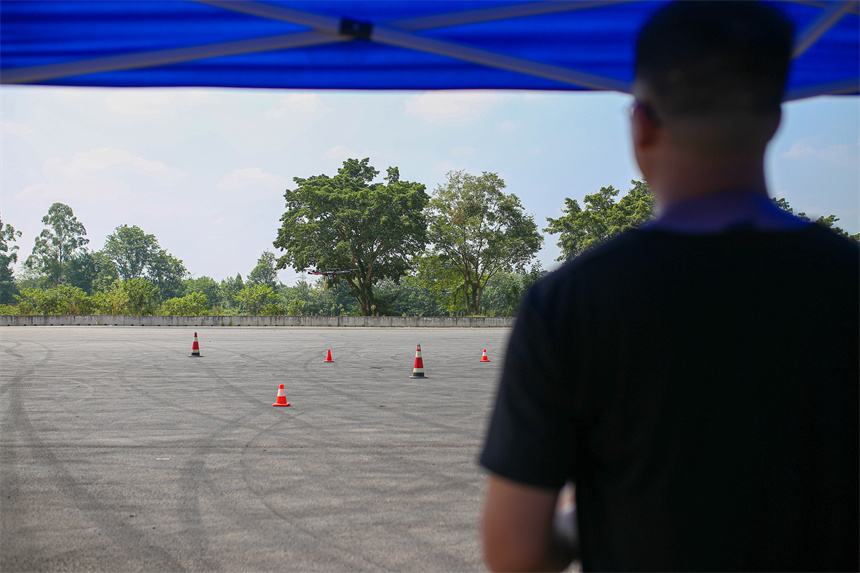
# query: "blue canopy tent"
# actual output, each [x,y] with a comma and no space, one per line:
[413,45]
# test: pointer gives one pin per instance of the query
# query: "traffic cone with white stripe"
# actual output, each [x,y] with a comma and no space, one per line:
[195,347]
[418,369]
[484,357]
[281,400]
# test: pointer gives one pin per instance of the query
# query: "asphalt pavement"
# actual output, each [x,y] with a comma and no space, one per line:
[120,452]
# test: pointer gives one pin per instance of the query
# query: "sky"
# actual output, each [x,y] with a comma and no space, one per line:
[204,170]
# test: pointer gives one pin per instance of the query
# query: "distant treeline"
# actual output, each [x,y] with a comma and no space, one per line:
[467,250]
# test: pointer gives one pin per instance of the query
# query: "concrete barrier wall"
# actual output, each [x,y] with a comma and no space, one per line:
[332,321]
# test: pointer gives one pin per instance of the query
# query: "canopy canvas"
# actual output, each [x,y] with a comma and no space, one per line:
[375,45]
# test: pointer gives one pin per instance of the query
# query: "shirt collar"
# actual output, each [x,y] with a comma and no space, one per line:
[723,212]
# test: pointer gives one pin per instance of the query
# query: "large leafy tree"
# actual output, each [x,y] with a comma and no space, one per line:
[133,296]
[166,273]
[90,271]
[131,250]
[207,286]
[601,218]
[257,299]
[479,231]
[137,254]
[349,222]
[229,288]
[266,271]
[63,236]
[8,255]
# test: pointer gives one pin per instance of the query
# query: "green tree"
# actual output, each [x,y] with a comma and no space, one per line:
[141,295]
[254,299]
[204,285]
[131,250]
[192,304]
[480,231]
[266,272]
[440,276]
[349,222]
[90,271]
[828,221]
[8,255]
[133,297]
[505,291]
[166,273]
[137,254]
[56,244]
[230,287]
[113,300]
[409,298]
[602,218]
[59,300]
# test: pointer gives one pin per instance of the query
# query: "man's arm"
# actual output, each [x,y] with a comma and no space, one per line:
[517,528]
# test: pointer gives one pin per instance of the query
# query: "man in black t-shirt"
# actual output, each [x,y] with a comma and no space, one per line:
[696,379]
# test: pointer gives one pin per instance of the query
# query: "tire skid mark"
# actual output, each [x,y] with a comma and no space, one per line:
[195,473]
[195,478]
[129,539]
[346,555]
[383,457]
[20,358]
[356,397]
[202,413]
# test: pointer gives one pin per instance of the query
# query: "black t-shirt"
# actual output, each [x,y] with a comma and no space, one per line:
[701,392]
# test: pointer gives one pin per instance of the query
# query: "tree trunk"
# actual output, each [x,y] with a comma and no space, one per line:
[363,292]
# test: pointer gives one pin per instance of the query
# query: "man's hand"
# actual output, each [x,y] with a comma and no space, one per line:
[518,528]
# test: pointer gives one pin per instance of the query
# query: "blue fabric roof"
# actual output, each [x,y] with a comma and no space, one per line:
[374,45]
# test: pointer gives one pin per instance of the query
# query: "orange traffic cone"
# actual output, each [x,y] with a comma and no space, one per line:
[328,357]
[484,357]
[282,397]
[418,369]
[195,347]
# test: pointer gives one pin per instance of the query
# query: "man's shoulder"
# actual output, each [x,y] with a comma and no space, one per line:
[624,255]
[637,253]
[622,250]
[828,239]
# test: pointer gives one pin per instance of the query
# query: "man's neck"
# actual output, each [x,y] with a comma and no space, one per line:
[689,176]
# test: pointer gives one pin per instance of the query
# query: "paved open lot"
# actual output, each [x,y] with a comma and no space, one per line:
[118,451]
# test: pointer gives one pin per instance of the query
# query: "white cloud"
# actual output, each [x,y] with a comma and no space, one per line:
[103,173]
[305,105]
[13,128]
[452,106]
[839,154]
[241,178]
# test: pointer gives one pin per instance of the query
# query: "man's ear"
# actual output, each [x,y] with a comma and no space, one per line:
[644,128]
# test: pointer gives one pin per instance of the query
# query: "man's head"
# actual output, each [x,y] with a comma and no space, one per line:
[710,77]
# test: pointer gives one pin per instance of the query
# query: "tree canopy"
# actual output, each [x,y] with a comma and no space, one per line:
[136,254]
[266,271]
[63,236]
[350,222]
[8,255]
[602,218]
[481,242]
[476,231]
